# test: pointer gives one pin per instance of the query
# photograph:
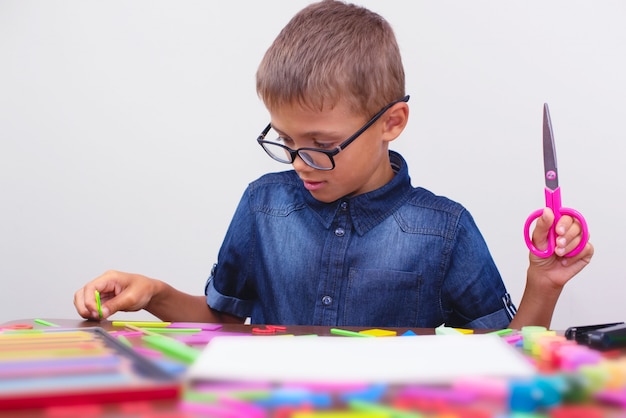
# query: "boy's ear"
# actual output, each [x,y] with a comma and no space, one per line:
[395,121]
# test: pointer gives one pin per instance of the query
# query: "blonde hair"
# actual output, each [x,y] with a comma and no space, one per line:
[329,52]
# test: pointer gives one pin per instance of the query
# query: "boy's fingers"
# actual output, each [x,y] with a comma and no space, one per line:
[542,227]
[569,232]
[568,227]
[83,302]
[106,312]
[79,304]
[111,304]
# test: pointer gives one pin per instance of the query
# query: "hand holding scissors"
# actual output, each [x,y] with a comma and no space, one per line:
[553,198]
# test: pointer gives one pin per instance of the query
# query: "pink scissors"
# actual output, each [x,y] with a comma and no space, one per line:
[553,197]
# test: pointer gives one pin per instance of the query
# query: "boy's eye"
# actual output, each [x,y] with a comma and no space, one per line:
[322,145]
[288,142]
[285,141]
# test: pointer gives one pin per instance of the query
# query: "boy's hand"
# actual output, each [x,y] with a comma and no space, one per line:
[558,269]
[118,292]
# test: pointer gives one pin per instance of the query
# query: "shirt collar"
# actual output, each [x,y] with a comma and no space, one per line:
[369,209]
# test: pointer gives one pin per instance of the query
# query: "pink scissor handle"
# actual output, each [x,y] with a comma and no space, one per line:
[553,201]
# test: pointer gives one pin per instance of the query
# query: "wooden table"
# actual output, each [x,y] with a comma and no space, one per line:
[171,408]
[153,408]
[294,329]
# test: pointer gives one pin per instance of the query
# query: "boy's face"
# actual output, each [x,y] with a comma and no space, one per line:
[360,168]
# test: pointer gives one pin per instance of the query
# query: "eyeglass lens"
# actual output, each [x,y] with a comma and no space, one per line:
[315,159]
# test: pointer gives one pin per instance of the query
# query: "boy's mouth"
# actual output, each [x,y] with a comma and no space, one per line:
[312,185]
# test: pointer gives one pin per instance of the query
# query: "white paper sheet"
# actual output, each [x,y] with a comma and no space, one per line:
[401,360]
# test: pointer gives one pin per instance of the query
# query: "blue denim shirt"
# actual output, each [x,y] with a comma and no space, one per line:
[398,256]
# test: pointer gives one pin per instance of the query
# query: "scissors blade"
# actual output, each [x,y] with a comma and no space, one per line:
[549,152]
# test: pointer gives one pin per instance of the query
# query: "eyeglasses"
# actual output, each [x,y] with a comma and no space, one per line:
[317,158]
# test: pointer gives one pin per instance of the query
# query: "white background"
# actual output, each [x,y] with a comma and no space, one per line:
[127,133]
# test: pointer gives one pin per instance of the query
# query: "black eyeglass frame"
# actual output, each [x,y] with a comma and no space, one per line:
[330,153]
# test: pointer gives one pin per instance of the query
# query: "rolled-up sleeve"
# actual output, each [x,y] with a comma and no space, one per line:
[230,286]
[223,303]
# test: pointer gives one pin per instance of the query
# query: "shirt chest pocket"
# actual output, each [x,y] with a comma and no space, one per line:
[382,298]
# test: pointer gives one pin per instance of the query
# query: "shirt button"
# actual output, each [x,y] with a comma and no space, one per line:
[340,232]
[344,205]
[327,300]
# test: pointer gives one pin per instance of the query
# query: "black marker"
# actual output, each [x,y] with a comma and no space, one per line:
[607,338]
[579,333]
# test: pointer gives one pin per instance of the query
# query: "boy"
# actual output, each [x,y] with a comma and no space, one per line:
[344,239]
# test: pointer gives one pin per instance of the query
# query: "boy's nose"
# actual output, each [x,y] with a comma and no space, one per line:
[299,165]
